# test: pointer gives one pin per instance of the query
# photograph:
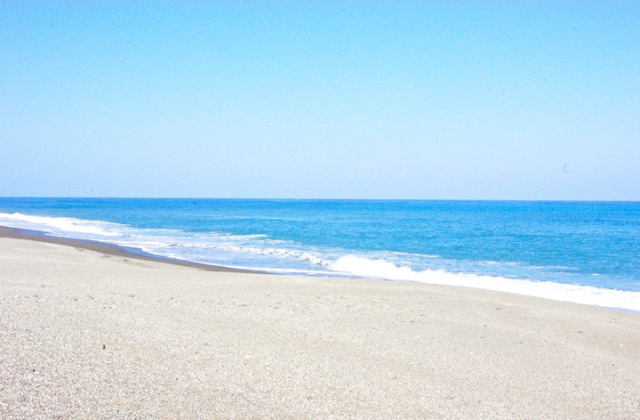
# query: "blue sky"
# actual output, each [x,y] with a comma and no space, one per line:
[405,99]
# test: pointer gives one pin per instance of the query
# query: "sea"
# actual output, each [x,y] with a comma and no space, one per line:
[582,252]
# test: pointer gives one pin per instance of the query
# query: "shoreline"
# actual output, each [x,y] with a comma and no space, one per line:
[88,334]
[602,297]
[109,249]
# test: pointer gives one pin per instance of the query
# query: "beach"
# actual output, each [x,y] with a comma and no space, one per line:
[89,332]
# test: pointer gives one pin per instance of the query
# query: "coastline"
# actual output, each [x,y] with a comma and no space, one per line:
[87,333]
[108,249]
[611,298]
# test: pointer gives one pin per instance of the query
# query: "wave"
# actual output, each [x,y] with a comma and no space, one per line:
[259,252]
[61,225]
[382,269]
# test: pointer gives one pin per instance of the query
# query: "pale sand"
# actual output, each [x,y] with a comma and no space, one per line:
[89,335]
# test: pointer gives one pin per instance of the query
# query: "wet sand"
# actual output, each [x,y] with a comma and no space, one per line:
[94,332]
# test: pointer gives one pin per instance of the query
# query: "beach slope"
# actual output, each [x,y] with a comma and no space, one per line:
[86,334]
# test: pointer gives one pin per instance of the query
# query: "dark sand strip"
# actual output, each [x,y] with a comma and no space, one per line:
[108,249]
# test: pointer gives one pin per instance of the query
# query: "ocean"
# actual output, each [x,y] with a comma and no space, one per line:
[583,252]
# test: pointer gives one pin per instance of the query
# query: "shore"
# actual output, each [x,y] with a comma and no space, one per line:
[92,331]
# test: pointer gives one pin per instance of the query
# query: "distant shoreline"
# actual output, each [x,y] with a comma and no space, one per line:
[109,249]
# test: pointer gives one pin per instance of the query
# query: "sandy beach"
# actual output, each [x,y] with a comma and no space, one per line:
[94,332]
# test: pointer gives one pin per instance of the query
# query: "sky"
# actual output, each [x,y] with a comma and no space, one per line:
[535,100]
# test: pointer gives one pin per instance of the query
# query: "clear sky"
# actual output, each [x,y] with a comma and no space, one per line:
[327,99]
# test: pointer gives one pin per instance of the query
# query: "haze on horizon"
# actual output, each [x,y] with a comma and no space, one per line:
[415,100]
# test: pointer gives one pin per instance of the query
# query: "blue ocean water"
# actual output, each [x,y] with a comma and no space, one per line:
[586,252]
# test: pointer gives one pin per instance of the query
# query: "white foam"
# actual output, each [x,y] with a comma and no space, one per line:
[365,267]
[59,225]
[280,253]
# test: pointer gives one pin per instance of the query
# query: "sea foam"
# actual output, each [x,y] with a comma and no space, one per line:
[380,269]
[60,225]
